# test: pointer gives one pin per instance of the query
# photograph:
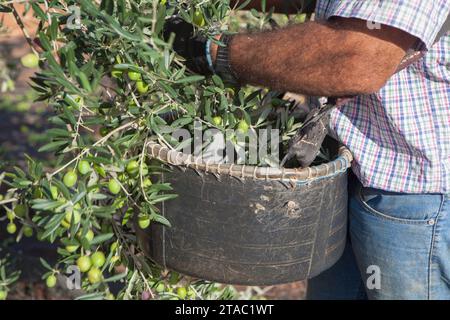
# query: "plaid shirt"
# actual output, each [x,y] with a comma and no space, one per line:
[400,136]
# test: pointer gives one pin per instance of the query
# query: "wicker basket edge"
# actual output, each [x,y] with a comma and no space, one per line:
[176,158]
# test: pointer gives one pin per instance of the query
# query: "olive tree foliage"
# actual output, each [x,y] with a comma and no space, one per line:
[114,84]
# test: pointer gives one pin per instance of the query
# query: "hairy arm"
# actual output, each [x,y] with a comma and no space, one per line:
[337,58]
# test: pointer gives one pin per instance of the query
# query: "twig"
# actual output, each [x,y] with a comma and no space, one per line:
[130,285]
[22,27]
[8,201]
[99,142]
[144,149]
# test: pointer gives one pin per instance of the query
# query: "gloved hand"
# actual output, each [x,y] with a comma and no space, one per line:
[187,44]
[305,144]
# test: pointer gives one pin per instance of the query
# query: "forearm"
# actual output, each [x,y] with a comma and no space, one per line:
[314,59]
[280,6]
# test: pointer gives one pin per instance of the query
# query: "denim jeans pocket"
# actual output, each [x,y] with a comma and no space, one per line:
[400,207]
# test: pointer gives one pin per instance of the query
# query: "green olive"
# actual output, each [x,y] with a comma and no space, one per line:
[95,275]
[84,263]
[30,60]
[243,126]
[21,210]
[182,292]
[144,222]
[141,87]
[133,168]
[199,19]
[3,295]
[72,248]
[71,214]
[160,287]
[84,167]
[70,179]
[301,18]
[11,228]
[217,120]
[98,259]
[134,76]
[114,186]
[147,182]
[28,231]
[89,235]
[51,281]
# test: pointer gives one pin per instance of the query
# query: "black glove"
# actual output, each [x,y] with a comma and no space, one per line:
[305,144]
[187,44]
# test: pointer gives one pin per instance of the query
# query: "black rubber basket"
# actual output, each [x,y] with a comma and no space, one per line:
[250,225]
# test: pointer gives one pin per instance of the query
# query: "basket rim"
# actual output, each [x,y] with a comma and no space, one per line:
[176,158]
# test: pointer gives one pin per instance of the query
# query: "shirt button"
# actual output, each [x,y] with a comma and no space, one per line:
[431,222]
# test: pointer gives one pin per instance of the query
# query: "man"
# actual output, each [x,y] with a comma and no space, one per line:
[398,129]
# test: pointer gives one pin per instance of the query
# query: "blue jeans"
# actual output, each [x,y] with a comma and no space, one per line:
[398,248]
